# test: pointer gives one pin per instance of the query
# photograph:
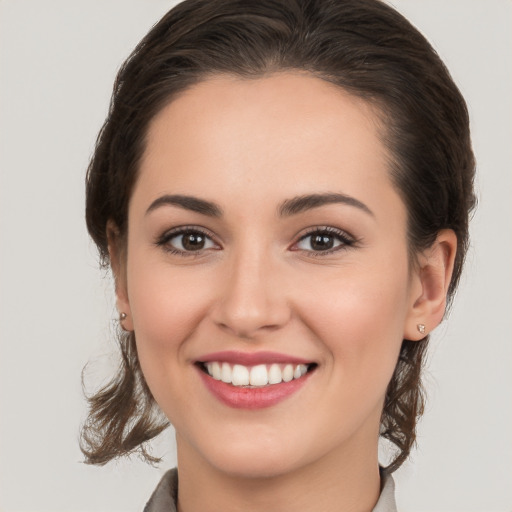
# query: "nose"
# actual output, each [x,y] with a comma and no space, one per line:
[251,299]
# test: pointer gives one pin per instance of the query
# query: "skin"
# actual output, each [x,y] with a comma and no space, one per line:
[258,284]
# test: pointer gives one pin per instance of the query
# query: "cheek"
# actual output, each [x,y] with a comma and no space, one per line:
[360,318]
[167,307]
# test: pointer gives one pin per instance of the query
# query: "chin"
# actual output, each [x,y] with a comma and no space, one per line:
[244,458]
[263,466]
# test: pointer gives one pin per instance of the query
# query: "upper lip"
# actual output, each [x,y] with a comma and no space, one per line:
[251,358]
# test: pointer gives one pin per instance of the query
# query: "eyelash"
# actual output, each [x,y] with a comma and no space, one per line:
[347,241]
[164,240]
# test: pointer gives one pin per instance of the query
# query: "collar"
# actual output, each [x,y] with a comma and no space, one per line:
[165,496]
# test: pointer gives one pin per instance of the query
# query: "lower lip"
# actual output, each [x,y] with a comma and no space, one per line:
[252,398]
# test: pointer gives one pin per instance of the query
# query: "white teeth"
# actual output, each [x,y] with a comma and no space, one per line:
[288,373]
[240,375]
[257,376]
[225,375]
[216,371]
[274,375]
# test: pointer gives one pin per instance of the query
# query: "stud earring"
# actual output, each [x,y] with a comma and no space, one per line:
[421,328]
[122,316]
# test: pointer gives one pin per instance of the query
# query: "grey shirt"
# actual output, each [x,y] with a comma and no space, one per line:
[165,496]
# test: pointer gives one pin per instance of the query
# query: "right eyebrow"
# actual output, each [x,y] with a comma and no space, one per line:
[188,203]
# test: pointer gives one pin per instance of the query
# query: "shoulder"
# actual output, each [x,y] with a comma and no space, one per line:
[165,495]
[386,501]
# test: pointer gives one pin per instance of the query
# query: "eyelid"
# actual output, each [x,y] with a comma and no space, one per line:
[164,239]
[346,238]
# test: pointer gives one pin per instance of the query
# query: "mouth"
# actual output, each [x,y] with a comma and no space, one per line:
[255,376]
[253,381]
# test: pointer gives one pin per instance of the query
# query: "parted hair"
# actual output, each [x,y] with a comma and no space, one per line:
[363,46]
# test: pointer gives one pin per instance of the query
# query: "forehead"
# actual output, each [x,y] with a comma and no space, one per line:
[284,133]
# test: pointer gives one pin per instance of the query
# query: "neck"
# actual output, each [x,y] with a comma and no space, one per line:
[345,480]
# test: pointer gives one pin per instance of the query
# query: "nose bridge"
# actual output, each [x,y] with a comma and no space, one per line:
[251,298]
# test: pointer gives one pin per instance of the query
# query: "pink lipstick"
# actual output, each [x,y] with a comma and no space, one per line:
[253,380]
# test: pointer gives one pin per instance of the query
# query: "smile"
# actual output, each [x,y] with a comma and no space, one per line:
[256,376]
[253,381]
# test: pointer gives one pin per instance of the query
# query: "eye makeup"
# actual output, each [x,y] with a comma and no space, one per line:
[193,241]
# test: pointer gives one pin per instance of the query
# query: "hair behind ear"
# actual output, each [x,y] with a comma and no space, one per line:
[123,415]
[405,401]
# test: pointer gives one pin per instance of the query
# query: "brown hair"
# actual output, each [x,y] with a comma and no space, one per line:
[364,47]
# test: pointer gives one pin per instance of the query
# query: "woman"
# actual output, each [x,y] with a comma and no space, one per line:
[282,190]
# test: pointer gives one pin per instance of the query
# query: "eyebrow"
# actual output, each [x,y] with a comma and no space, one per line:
[188,203]
[302,203]
[288,208]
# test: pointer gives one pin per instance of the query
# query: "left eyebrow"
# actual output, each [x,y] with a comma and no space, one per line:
[303,203]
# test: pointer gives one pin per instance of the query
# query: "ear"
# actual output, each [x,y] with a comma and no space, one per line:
[117,254]
[429,286]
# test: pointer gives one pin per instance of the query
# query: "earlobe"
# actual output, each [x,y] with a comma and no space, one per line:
[117,255]
[432,280]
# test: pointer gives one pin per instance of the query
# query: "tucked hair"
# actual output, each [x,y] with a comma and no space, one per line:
[363,46]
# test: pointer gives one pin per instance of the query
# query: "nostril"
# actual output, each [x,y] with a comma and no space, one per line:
[246,310]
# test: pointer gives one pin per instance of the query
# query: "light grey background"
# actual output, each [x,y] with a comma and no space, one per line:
[58,60]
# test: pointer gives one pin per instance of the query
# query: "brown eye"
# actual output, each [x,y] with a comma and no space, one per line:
[193,241]
[324,240]
[188,241]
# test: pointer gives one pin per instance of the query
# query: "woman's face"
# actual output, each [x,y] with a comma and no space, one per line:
[265,240]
